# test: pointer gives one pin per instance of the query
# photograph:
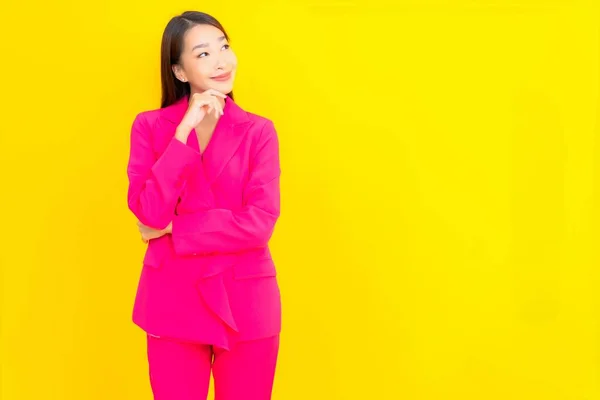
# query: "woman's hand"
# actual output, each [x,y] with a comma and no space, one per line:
[200,105]
[151,233]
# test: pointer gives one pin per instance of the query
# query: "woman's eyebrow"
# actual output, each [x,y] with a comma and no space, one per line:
[202,45]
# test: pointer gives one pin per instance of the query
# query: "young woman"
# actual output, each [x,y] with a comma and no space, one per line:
[204,185]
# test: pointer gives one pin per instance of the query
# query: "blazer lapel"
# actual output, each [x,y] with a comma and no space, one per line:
[167,122]
[226,138]
[225,141]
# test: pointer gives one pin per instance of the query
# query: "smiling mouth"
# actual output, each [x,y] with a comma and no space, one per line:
[222,77]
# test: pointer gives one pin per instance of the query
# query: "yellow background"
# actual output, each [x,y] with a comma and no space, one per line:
[440,228]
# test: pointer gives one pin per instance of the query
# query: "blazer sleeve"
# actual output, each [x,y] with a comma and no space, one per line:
[219,230]
[155,183]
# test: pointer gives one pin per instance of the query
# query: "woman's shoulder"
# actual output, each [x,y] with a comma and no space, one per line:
[145,120]
[258,126]
[148,116]
[260,123]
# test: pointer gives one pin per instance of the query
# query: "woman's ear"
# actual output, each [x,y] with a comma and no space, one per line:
[178,72]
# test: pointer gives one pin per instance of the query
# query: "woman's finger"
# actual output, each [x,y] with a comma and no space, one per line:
[215,93]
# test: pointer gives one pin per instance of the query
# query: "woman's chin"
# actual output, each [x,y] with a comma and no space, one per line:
[225,87]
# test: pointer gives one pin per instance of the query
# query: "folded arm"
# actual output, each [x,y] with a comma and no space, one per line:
[155,184]
[219,230]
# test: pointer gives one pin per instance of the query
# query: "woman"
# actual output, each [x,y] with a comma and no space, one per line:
[204,185]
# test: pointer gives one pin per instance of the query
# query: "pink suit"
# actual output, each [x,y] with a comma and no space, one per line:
[212,282]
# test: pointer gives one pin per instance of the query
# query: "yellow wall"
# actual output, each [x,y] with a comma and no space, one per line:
[439,237]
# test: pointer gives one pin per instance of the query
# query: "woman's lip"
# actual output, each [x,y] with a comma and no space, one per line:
[222,77]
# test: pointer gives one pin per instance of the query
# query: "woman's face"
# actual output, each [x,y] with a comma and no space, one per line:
[206,61]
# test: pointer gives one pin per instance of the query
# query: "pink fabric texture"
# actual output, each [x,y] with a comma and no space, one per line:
[181,371]
[213,280]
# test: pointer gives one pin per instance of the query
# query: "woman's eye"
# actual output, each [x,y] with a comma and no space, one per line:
[226,46]
[202,54]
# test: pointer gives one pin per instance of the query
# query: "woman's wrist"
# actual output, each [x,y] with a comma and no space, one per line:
[182,133]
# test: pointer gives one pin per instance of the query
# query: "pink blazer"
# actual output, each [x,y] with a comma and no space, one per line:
[213,279]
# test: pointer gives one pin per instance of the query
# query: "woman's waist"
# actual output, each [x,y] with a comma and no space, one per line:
[161,250]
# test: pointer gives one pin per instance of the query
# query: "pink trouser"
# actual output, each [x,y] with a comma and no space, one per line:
[181,371]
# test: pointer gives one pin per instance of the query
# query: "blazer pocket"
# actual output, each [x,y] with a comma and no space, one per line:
[260,268]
